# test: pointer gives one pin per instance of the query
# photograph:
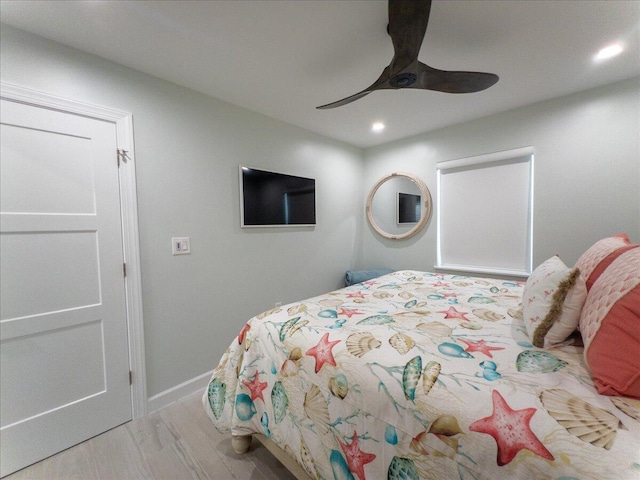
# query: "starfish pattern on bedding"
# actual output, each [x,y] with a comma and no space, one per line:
[322,352]
[480,346]
[453,313]
[349,312]
[357,294]
[511,430]
[356,458]
[256,387]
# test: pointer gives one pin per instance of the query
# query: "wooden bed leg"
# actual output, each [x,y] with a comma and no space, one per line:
[240,443]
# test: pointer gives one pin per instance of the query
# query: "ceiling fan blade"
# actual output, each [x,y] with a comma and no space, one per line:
[380,83]
[429,78]
[408,21]
[344,101]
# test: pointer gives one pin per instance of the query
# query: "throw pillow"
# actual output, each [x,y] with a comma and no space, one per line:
[600,255]
[610,327]
[552,300]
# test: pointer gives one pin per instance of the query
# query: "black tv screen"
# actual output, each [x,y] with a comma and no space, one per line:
[408,208]
[275,199]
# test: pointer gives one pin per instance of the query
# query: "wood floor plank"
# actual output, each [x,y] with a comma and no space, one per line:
[71,461]
[152,433]
[176,461]
[210,447]
[74,463]
[178,442]
[116,454]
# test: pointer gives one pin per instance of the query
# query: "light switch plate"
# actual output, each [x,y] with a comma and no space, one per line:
[181,245]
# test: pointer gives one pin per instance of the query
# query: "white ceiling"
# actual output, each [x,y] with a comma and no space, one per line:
[284,58]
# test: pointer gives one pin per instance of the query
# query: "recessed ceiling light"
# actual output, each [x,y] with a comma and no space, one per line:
[608,52]
[377,127]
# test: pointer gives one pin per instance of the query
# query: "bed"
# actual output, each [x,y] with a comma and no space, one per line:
[420,375]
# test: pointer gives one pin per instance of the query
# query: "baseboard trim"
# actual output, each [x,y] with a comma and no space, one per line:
[174,394]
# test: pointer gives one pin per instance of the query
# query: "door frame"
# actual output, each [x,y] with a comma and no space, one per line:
[129,218]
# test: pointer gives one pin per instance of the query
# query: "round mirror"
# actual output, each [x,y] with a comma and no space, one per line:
[398,206]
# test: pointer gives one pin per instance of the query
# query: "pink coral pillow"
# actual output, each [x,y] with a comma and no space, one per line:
[610,326]
[600,255]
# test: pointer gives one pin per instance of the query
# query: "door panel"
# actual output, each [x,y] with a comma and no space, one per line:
[50,271]
[32,185]
[48,376]
[64,366]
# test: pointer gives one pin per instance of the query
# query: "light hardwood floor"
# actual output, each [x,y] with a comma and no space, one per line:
[177,442]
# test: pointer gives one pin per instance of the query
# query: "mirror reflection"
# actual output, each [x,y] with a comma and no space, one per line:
[408,208]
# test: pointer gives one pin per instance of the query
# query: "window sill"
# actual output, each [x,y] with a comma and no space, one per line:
[501,272]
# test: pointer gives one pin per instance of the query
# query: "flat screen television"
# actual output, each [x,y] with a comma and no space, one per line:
[408,208]
[270,199]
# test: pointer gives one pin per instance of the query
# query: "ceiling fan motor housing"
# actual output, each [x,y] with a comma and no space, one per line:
[403,80]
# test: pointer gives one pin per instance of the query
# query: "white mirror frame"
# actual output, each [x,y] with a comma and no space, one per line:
[424,214]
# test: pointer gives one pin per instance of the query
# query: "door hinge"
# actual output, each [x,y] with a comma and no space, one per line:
[121,154]
[130,377]
[124,269]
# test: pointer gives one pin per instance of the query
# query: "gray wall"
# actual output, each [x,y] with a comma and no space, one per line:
[587,171]
[188,147]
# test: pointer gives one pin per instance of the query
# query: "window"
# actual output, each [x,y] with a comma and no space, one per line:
[485,213]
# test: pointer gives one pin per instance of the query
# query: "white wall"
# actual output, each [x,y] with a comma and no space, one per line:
[188,147]
[587,171]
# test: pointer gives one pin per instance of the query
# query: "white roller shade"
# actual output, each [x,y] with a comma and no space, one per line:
[484,213]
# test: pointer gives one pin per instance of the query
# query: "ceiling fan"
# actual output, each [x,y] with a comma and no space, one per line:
[407,26]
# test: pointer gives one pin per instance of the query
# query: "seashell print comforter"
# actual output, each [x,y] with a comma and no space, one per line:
[419,375]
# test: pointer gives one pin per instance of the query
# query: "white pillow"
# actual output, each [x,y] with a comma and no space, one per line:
[552,302]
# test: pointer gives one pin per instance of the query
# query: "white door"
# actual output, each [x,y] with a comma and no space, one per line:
[64,358]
